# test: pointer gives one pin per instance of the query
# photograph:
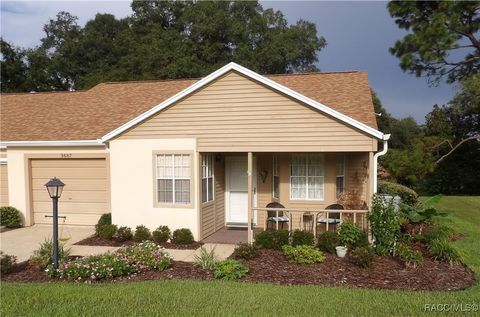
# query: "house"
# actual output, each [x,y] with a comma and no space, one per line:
[201,154]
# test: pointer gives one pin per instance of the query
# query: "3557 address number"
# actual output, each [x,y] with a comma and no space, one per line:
[66,155]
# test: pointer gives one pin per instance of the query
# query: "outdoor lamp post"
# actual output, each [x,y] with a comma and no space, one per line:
[55,188]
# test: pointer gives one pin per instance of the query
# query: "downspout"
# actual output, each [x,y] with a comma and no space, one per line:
[385,139]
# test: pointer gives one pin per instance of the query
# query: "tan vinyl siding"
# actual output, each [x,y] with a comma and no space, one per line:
[212,214]
[86,192]
[236,114]
[3,185]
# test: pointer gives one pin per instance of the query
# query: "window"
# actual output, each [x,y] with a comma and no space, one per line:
[207,178]
[340,174]
[306,177]
[173,178]
[276,178]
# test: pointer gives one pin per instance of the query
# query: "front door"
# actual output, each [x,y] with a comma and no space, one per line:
[237,189]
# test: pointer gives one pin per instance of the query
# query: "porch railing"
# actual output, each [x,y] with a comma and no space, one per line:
[297,217]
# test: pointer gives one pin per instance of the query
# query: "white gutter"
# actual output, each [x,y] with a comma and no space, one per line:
[375,160]
[51,143]
[3,160]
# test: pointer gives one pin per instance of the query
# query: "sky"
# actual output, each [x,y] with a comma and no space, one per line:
[358,35]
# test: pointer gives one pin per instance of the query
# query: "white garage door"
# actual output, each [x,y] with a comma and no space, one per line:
[85,195]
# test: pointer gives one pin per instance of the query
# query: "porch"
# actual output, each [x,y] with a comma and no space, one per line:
[237,187]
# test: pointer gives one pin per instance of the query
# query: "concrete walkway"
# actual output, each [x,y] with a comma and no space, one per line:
[23,241]
[222,251]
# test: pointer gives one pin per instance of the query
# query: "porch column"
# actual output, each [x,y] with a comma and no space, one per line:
[250,196]
[371,175]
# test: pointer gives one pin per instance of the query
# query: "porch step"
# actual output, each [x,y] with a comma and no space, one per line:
[237,224]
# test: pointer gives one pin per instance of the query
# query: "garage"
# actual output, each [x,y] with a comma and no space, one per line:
[3,185]
[86,193]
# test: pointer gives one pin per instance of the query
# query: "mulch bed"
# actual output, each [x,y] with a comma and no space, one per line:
[24,272]
[386,273]
[97,241]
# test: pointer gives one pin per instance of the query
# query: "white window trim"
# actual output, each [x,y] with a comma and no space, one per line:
[340,175]
[306,183]
[205,160]
[173,178]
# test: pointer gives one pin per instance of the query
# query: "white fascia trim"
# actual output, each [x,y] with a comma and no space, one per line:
[3,160]
[251,74]
[52,143]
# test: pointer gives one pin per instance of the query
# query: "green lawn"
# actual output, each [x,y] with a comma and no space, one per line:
[190,298]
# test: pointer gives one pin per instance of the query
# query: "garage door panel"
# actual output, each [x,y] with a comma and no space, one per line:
[77,219]
[73,195]
[78,184]
[83,163]
[65,172]
[3,185]
[85,196]
[70,207]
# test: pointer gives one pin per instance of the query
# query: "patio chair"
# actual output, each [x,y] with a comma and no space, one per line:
[333,217]
[272,215]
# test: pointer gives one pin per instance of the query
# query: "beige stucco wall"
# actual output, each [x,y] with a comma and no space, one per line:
[132,184]
[18,172]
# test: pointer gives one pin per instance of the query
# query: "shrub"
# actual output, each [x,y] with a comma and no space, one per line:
[7,262]
[327,241]
[182,236]
[124,234]
[207,260]
[43,256]
[125,261]
[245,251]
[142,233]
[443,251]
[385,224]
[408,196]
[161,234]
[439,232]
[349,234]
[107,231]
[363,256]
[411,258]
[301,237]
[303,254]
[230,269]
[272,239]
[105,219]
[10,217]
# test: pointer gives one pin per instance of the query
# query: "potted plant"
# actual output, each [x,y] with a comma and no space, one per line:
[348,234]
[341,251]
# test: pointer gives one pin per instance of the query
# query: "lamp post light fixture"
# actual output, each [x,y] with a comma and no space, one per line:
[55,188]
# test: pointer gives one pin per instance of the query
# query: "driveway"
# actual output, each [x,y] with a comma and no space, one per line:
[22,242]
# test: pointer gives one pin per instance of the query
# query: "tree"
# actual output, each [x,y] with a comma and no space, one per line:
[167,40]
[457,126]
[13,68]
[444,39]
[384,119]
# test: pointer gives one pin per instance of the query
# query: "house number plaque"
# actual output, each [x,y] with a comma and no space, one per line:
[66,155]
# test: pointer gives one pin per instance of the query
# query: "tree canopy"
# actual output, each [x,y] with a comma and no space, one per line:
[161,40]
[443,39]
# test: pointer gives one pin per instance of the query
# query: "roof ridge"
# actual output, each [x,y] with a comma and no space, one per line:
[317,73]
[33,93]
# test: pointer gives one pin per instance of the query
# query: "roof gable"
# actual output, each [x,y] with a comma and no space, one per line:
[256,77]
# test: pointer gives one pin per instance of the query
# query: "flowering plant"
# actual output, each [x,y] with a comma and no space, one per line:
[123,262]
